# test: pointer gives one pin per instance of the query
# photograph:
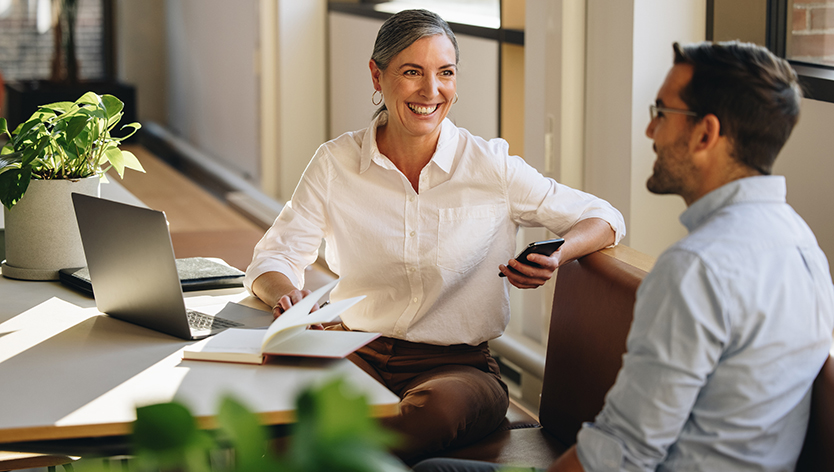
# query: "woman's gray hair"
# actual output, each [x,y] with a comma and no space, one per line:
[401,31]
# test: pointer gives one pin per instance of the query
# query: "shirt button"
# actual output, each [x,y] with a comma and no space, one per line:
[411,199]
[414,300]
[412,233]
[412,269]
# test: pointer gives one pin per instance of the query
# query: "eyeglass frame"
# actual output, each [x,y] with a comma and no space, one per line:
[654,110]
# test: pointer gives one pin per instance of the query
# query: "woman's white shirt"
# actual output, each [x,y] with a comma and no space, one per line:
[428,261]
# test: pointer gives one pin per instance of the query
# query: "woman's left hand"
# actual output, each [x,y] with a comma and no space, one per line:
[529,276]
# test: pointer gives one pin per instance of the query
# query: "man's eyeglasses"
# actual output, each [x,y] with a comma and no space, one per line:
[655,111]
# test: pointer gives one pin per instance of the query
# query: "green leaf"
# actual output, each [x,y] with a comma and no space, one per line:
[116,158]
[75,125]
[10,159]
[62,107]
[89,98]
[164,426]
[334,431]
[112,105]
[4,127]
[132,162]
[13,184]
[113,121]
[166,435]
[136,127]
[247,436]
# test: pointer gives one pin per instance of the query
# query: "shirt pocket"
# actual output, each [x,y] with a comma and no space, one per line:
[464,236]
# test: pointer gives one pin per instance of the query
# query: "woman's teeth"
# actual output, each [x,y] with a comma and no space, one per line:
[421,110]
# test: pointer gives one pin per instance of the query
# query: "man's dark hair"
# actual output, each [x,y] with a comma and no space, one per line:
[754,94]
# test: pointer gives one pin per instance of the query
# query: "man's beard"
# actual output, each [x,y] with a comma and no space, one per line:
[671,168]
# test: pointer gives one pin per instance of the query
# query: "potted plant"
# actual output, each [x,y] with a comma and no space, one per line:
[64,147]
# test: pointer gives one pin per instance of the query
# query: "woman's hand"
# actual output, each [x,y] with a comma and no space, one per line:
[275,289]
[288,300]
[529,276]
[584,238]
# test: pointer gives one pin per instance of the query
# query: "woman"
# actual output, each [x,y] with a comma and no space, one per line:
[419,215]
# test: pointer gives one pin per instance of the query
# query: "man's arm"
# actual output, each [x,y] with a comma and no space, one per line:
[583,238]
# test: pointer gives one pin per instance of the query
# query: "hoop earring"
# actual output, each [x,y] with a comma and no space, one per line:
[374,100]
[456,99]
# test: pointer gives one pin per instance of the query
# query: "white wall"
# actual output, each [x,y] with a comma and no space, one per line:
[629,53]
[141,56]
[808,168]
[212,84]
[300,89]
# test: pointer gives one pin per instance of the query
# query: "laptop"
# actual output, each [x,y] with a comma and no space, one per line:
[134,273]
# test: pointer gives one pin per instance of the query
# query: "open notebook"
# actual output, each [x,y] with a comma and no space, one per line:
[286,336]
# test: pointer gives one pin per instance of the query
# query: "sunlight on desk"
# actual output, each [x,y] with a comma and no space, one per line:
[79,374]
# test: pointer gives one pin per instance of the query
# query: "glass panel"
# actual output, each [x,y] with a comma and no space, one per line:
[485,13]
[27,39]
[810,35]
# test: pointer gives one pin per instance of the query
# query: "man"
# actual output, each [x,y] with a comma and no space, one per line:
[735,320]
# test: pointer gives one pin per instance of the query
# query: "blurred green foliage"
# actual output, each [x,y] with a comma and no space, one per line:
[334,432]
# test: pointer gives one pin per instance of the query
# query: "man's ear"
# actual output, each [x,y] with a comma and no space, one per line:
[707,133]
[375,73]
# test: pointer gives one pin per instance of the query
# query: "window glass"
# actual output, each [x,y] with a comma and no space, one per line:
[810,35]
[485,13]
[27,39]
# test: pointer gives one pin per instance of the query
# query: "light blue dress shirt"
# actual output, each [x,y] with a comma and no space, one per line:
[730,329]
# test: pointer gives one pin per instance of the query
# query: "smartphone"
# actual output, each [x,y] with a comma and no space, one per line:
[546,247]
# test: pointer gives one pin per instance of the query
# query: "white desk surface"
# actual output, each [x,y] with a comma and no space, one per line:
[68,371]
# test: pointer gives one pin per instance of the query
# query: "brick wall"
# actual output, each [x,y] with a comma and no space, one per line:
[812,38]
[27,55]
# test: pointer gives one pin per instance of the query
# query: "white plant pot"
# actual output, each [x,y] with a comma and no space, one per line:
[41,232]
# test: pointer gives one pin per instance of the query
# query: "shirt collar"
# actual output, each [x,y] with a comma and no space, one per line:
[443,157]
[764,188]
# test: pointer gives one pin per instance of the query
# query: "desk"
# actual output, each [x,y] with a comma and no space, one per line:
[67,371]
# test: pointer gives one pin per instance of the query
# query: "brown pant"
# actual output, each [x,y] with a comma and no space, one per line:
[449,395]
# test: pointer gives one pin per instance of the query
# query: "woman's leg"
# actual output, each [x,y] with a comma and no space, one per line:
[450,395]
[450,406]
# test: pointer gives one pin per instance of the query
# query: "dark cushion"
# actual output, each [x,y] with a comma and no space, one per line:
[593,305]
[818,450]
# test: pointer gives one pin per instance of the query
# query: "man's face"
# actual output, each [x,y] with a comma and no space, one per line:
[674,171]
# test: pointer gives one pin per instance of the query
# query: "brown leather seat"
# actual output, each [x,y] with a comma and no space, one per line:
[592,311]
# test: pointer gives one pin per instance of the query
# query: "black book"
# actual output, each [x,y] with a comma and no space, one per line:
[196,273]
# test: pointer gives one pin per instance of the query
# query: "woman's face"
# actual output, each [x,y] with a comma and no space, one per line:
[419,86]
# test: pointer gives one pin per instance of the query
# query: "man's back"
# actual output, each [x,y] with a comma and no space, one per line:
[730,329]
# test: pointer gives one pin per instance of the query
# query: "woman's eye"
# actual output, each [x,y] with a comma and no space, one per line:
[410,72]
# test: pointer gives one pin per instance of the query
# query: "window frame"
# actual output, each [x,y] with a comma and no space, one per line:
[817,80]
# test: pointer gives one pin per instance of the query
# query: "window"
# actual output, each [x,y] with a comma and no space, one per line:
[801,31]
[810,31]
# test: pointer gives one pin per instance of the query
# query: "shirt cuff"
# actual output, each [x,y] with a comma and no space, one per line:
[597,451]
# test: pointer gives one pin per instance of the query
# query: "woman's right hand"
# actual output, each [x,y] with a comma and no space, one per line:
[276,290]
[287,300]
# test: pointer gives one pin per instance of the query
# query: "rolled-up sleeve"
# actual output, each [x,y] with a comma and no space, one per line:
[292,242]
[675,342]
[541,201]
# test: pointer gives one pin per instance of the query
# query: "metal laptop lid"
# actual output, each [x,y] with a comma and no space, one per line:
[132,265]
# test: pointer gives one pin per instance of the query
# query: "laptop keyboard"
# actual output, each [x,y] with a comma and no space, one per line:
[197,320]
